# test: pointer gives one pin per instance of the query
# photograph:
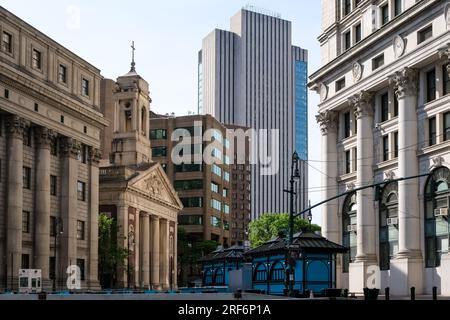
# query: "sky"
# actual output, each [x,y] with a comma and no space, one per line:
[167,36]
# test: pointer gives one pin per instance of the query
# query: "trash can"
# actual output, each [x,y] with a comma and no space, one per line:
[371,294]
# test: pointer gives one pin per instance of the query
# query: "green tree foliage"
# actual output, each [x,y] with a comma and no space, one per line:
[111,256]
[270,225]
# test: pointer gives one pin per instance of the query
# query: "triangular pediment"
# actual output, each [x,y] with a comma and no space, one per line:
[154,183]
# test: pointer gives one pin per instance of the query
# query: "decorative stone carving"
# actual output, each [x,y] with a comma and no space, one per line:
[404,82]
[15,126]
[444,53]
[70,147]
[357,70]
[362,102]
[327,121]
[438,162]
[323,91]
[153,185]
[44,136]
[399,46]
[94,155]
[389,175]
[350,186]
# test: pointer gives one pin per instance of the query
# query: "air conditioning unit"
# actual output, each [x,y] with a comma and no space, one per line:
[352,228]
[441,212]
[392,221]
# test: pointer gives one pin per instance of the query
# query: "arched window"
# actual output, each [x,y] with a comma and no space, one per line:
[437,195]
[260,274]
[144,121]
[218,277]
[349,230]
[388,224]
[278,272]
[208,277]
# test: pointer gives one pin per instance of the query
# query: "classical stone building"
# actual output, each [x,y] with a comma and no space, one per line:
[384,114]
[136,191]
[50,125]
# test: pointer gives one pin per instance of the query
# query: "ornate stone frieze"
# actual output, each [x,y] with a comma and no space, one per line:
[389,175]
[362,104]
[44,136]
[70,147]
[404,82]
[15,126]
[328,121]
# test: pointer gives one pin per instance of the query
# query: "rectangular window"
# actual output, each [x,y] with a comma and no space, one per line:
[26,178]
[226,209]
[226,176]
[53,185]
[188,168]
[181,185]
[80,230]
[395,105]
[54,147]
[395,144]
[431,85]
[85,87]
[27,137]
[36,107]
[340,84]
[397,7]
[446,77]
[378,62]
[62,73]
[191,220]
[216,204]
[159,152]
[384,14]
[80,264]
[347,162]
[216,170]
[214,187]
[447,126]
[25,261]
[384,107]
[225,192]
[7,42]
[81,191]
[347,7]
[432,131]
[82,155]
[52,226]
[424,34]
[192,202]
[26,221]
[37,59]
[385,148]
[158,134]
[216,222]
[347,40]
[346,124]
[358,33]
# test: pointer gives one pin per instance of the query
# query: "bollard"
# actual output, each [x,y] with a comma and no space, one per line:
[413,293]
[435,293]
[387,293]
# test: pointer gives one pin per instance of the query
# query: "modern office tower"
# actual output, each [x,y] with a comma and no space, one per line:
[248,77]
[50,124]
[384,115]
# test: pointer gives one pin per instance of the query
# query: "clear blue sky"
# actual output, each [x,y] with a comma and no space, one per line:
[167,35]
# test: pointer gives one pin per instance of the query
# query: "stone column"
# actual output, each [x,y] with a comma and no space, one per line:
[145,249]
[175,257]
[444,54]
[164,254]
[94,159]
[122,237]
[70,149]
[43,137]
[15,127]
[155,253]
[406,268]
[367,235]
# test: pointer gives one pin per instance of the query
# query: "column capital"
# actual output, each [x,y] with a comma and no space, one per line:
[444,54]
[94,155]
[15,126]
[44,136]
[70,147]
[404,82]
[328,121]
[362,104]
[144,214]
[155,218]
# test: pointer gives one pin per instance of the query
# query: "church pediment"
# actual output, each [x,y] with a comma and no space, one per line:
[155,184]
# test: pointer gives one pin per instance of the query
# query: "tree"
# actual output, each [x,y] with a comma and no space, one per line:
[111,256]
[190,250]
[270,225]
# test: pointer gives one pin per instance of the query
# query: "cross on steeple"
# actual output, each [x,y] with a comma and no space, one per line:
[133,64]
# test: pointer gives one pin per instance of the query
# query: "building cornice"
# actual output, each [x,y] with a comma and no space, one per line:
[366,44]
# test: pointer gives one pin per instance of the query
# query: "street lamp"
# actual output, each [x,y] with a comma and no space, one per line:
[58,230]
[295,175]
[130,241]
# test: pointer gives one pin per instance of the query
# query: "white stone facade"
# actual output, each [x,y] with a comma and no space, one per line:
[384,114]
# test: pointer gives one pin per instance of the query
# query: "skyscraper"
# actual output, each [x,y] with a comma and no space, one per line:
[252,76]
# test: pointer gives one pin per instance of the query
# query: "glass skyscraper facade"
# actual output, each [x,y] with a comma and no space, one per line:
[301,109]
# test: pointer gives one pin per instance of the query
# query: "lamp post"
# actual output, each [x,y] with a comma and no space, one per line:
[295,175]
[129,241]
[58,229]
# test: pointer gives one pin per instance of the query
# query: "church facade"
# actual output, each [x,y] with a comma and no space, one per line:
[136,191]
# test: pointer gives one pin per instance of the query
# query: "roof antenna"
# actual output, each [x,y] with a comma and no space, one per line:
[133,64]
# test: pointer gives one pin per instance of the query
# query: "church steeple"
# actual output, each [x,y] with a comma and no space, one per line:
[133,64]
